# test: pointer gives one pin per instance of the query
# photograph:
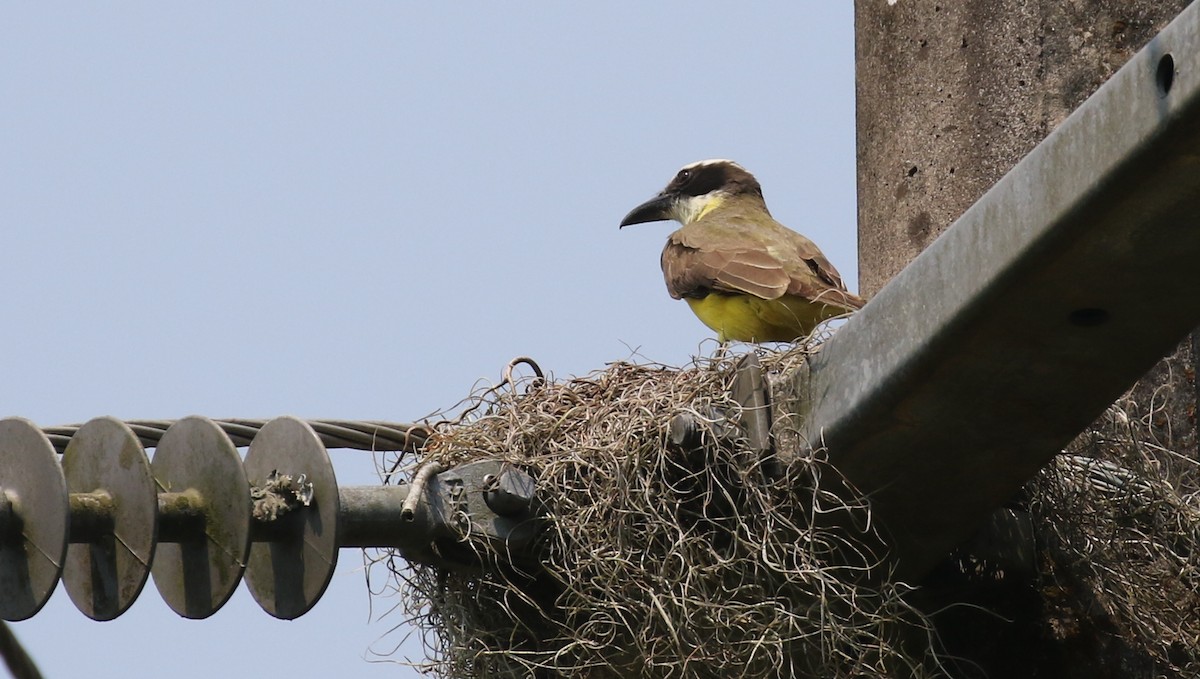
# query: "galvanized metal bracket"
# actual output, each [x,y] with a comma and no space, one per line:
[749,423]
[482,511]
[749,389]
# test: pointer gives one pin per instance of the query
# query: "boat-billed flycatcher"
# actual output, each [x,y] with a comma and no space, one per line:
[745,275]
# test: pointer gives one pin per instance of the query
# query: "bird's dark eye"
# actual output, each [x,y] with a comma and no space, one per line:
[683,176]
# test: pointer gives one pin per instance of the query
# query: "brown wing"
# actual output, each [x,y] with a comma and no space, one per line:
[819,280]
[693,272]
[742,255]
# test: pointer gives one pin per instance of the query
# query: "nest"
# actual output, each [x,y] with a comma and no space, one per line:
[654,561]
[1118,521]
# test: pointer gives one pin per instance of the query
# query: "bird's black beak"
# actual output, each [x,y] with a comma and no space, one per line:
[656,209]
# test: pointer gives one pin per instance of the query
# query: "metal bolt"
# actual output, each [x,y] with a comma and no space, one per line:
[684,431]
[512,493]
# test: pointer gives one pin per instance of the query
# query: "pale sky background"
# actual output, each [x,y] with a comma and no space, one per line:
[359,211]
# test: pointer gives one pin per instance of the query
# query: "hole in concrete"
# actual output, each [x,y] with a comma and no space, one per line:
[1165,76]
[1088,317]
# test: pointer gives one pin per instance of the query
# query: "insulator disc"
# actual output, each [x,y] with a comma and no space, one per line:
[289,574]
[105,574]
[33,532]
[198,574]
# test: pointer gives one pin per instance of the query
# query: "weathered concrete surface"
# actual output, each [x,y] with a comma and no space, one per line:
[952,93]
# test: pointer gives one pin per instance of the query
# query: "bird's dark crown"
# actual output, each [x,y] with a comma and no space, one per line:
[706,176]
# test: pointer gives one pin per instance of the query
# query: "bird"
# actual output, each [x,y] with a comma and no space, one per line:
[744,275]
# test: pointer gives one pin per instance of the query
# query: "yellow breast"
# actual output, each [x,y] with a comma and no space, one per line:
[746,318]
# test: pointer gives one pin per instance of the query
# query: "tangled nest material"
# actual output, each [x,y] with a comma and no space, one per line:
[1118,522]
[661,562]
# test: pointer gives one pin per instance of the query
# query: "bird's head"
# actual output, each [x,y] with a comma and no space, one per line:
[696,189]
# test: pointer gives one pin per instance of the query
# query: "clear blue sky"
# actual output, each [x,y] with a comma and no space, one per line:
[359,211]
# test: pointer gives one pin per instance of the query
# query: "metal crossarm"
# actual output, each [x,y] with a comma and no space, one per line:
[1044,302]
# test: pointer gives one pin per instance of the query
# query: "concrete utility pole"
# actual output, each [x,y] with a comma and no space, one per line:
[951,94]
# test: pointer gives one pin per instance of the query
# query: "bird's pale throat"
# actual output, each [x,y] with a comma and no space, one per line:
[691,208]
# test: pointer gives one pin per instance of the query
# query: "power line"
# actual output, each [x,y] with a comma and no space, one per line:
[373,435]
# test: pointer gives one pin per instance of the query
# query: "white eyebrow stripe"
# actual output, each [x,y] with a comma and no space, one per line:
[713,161]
